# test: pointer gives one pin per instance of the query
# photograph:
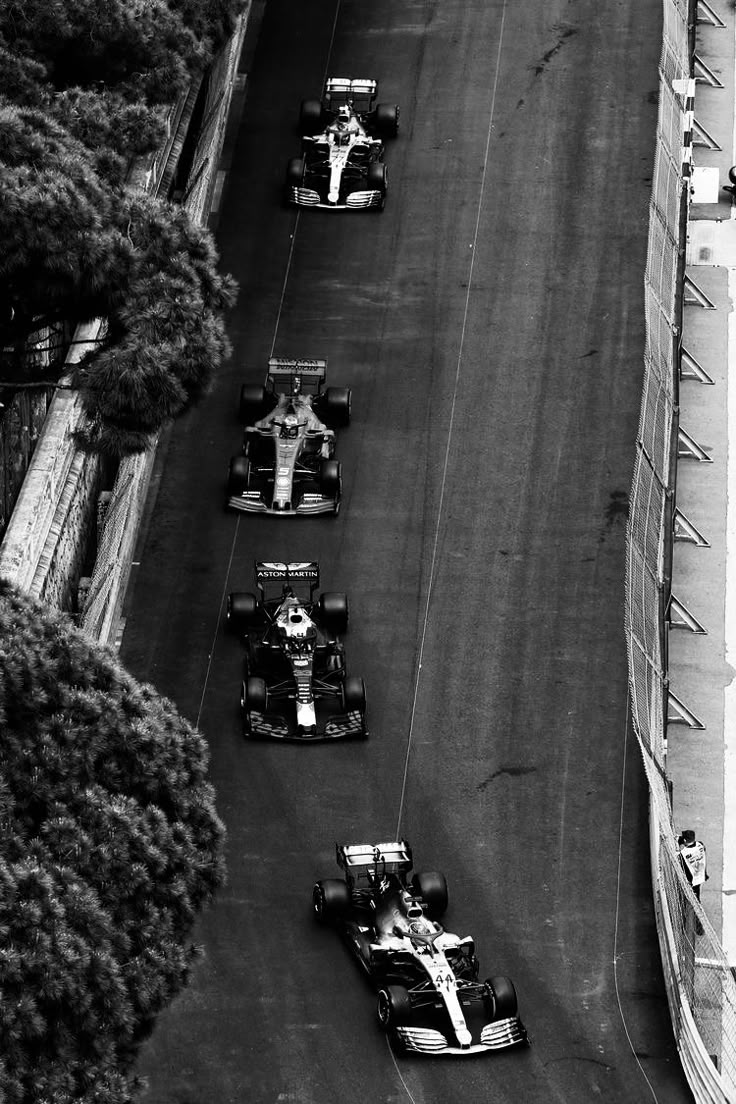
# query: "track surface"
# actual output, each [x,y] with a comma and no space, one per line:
[490,322]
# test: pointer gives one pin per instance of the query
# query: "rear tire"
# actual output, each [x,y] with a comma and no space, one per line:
[239,475]
[253,403]
[501,1001]
[330,900]
[243,611]
[310,117]
[393,1006]
[387,120]
[432,888]
[334,612]
[338,405]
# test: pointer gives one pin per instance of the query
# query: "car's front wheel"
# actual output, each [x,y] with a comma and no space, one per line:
[239,475]
[500,998]
[393,1006]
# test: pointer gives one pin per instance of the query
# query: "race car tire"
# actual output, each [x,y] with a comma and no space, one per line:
[334,612]
[330,478]
[337,407]
[386,120]
[243,611]
[255,695]
[310,117]
[330,900]
[353,695]
[432,888]
[500,998]
[393,1006]
[295,172]
[376,180]
[237,480]
[253,403]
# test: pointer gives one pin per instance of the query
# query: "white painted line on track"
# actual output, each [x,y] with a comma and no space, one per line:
[616,953]
[450,428]
[728,873]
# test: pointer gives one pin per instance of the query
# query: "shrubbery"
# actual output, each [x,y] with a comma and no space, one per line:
[83,89]
[109,846]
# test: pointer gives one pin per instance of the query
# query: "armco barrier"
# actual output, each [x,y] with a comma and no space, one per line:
[701,990]
[46,535]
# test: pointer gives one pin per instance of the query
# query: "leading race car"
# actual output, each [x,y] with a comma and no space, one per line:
[341,164]
[288,466]
[295,686]
[429,997]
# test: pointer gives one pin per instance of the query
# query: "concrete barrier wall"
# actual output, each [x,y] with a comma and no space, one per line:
[44,546]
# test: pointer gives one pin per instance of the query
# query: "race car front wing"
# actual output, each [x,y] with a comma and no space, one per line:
[494,1036]
[252,502]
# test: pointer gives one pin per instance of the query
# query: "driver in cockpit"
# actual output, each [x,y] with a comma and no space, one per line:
[344,126]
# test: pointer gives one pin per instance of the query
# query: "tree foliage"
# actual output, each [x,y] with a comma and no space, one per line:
[110,845]
[83,84]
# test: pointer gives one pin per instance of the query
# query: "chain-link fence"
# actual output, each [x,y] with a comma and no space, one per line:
[700,985]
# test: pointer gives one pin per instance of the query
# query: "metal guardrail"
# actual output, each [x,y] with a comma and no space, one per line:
[701,990]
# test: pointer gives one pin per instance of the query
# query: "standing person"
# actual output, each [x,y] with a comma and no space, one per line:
[693,859]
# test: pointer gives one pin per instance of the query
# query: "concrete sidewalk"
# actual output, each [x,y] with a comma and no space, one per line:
[702,638]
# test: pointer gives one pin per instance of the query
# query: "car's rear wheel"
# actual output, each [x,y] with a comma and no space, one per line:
[387,120]
[432,888]
[334,612]
[393,1006]
[338,404]
[253,403]
[310,117]
[500,998]
[239,475]
[243,611]
[330,900]
[353,695]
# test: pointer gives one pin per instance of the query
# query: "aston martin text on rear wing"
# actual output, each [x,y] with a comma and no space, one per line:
[288,572]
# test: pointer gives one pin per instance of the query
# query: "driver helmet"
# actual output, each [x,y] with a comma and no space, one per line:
[290,426]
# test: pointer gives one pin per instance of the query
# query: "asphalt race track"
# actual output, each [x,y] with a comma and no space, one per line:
[490,322]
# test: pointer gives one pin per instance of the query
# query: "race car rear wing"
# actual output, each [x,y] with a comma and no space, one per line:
[341,90]
[311,372]
[374,858]
[274,576]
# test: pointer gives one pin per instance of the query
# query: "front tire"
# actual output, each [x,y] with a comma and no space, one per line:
[377,179]
[330,479]
[501,1001]
[393,1006]
[353,695]
[239,475]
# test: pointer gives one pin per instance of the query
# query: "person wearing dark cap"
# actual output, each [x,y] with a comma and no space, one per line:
[693,859]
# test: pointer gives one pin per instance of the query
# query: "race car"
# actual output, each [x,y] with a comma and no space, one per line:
[295,686]
[287,466]
[341,164]
[429,997]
